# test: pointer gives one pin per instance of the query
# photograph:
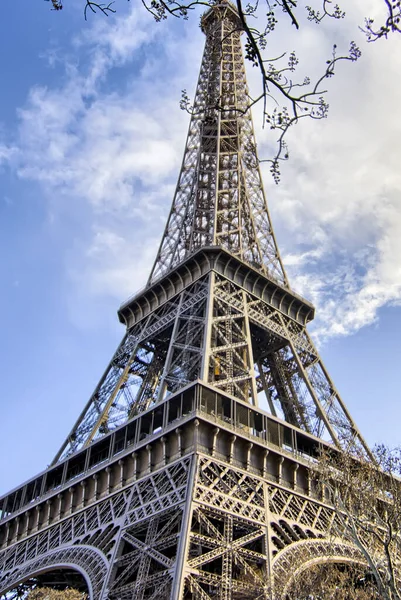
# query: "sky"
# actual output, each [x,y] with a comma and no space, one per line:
[91,142]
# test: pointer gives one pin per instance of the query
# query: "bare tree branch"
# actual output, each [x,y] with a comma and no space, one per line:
[94,7]
[279,82]
[366,497]
[392,22]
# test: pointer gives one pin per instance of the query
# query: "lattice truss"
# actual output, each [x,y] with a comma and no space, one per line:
[285,365]
[227,542]
[160,353]
[218,332]
[152,528]
[239,530]
[126,544]
[245,534]
[219,199]
[148,555]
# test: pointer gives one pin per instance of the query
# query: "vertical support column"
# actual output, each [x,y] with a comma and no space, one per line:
[23,497]
[227,559]
[134,466]
[108,480]
[180,568]
[163,383]
[15,535]
[295,476]
[216,431]
[71,491]
[232,446]
[36,519]
[64,475]
[196,434]
[60,505]
[248,454]
[3,510]
[206,355]
[179,441]
[253,390]
[95,486]
[280,469]
[163,443]
[49,509]
[265,455]
[266,390]
[83,491]
[309,482]
[268,548]
[149,451]
[43,486]
[121,464]
[25,528]
[7,535]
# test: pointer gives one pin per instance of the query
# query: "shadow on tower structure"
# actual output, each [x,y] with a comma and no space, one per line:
[188,473]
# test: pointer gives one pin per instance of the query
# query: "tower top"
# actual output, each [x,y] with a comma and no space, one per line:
[219,199]
[223,9]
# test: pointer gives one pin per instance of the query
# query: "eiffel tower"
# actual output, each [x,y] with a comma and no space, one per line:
[188,473]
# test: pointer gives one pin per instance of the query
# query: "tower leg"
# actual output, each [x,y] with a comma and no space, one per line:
[183,544]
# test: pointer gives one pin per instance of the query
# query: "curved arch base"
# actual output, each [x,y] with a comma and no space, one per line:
[84,559]
[294,559]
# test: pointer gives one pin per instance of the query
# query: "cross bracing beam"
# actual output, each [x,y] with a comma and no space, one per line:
[177,411]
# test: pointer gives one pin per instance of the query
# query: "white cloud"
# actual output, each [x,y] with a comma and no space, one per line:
[106,145]
[117,39]
[338,208]
[7,153]
[115,265]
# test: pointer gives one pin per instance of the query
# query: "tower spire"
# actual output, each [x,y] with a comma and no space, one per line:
[219,200]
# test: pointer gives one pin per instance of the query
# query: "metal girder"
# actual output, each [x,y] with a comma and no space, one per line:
[132,380]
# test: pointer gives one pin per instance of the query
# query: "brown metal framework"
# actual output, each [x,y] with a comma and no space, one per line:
[187,475]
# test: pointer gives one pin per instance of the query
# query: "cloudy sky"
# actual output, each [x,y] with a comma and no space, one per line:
[91,140]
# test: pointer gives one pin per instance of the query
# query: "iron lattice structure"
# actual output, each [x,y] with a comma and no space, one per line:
[187,475]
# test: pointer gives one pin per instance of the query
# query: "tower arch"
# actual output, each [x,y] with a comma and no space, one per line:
[85,560]
[300,556]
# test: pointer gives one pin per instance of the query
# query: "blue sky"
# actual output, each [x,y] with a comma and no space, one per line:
[91,140]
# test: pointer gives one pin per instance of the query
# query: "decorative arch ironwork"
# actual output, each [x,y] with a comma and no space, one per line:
[299,556]
[88,561]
